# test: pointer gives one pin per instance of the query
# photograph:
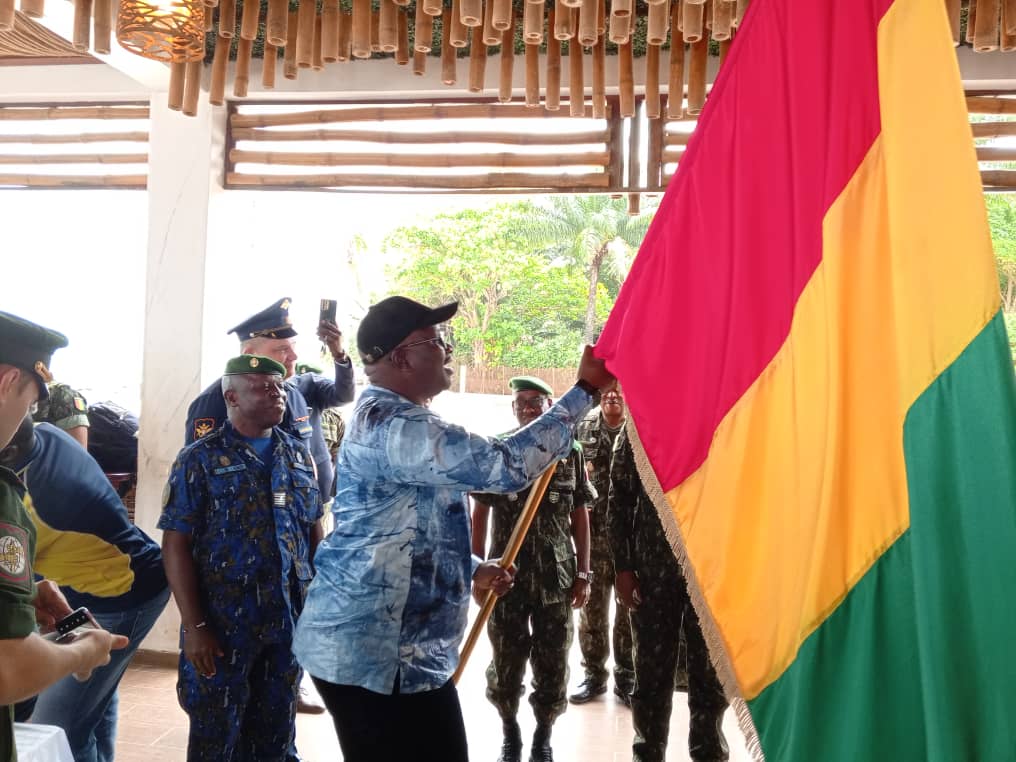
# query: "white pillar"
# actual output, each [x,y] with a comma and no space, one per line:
[184,164]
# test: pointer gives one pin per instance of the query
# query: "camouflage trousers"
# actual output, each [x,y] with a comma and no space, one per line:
[521,629]
[595,631]
[656,631]
[246,712]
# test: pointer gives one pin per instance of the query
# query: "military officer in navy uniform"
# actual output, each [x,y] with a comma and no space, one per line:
[241,517]
[270,333]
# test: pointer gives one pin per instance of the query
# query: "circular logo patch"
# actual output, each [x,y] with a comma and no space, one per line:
[12,556]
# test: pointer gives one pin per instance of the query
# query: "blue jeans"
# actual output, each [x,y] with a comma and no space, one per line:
[87,711]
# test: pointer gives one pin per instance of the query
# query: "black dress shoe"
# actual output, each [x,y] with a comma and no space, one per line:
[623,696]
[587,691]
[511,746]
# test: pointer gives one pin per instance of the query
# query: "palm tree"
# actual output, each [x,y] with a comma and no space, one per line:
[591,232]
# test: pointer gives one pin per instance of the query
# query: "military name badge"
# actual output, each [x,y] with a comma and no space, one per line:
[203,427]
[14,556]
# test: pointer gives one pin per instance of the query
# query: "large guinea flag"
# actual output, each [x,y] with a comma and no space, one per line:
[822,395]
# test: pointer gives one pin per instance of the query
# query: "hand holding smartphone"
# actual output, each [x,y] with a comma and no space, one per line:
[328,310]
[68,628]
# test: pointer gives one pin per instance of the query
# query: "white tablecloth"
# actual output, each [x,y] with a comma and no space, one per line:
[41,743]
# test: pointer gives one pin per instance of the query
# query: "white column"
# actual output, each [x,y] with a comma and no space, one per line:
[184,167]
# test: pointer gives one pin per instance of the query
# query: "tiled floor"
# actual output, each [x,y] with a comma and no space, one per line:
[154,729]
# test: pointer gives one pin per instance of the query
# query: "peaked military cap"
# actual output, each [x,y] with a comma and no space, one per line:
[271,323]
[30,347]
[391,320]
[245,365]
[526,383]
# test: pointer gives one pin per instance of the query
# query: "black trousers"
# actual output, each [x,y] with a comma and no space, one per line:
[401,727]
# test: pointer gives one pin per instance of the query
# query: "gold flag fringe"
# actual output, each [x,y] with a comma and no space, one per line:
[710,631]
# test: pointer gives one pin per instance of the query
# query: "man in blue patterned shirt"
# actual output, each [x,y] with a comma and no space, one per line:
[387,608]
[240,515]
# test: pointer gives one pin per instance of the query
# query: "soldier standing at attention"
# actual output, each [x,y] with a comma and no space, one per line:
[650,583]
[241,518]
[596,433]
[533,621]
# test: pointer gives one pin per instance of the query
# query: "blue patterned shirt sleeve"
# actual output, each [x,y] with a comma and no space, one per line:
[391,594]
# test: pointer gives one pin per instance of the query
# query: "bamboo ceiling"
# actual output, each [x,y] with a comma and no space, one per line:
[28,41]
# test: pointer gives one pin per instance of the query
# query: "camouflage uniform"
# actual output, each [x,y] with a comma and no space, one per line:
[250,530]
[540,598]
[638,543]
[66,408]
[597,440]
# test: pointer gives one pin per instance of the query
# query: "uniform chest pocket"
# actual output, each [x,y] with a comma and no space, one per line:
[306,498]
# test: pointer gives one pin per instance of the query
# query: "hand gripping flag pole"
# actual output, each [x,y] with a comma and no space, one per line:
[507,559]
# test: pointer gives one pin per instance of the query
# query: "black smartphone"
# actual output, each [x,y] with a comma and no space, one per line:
[328,310]
[67,628]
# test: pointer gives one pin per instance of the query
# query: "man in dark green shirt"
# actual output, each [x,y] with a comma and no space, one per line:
[28,662]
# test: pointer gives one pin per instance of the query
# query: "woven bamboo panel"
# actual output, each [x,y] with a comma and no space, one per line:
[31,40]
[74,146]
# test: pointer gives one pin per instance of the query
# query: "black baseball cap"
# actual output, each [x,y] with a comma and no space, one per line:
[29,347]
[391,320]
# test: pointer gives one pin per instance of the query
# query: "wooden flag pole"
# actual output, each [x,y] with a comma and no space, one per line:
[518,536]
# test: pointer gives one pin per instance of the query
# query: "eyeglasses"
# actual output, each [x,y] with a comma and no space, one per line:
[436,341]
[533,403]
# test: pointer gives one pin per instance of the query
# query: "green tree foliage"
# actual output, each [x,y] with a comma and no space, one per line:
[1002,219]
[595,233]
[516,306]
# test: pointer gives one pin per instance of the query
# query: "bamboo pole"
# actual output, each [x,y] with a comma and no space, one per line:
[654,157]
[82,24]
[723,19]
[317,58]
[504,93]
[429,160]
[74,158]
[220,63]
[532,75]
[209,23]
[697,75]
[987,105]
[532,23]
[448,64]
[562,21]
[996,178]
[952,10]
[276,31]
[457,30]
[402,29]
[330,15]
[74,112]
[576,86]
[971,20]
[7,9]
[289,67]
[587,23]
[227,19]
[83,137]
[491,36]
[725,50]
[471,13]
[433,7]
[192,87]
[345,30]
[691,23]
[986,29]
[429,138]
[658,23]
[75,181]
[1007,41]
[600,79]
[241,80]
[305,33]
[552,99]
[675,77]
[518,536]
[361,29]
[375,31]
[388,33]
[739,8]
[423,35]
[177,74]
[268,64]
[419,62]
[249,20]
[33,8]
[503,16]
[1009,17]
[498,183]
[477,61]
[620,28]
[652,80]
[626,80]
[620,7]
[102,24]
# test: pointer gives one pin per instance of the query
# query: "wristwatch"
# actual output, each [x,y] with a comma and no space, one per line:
[587,576]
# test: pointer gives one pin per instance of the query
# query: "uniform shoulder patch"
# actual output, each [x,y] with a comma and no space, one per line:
[79,404]
[14,568]
[203,427]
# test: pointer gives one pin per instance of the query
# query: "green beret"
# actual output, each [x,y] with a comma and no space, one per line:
[306,367]
[246,364]
[30,347]
[526,383]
